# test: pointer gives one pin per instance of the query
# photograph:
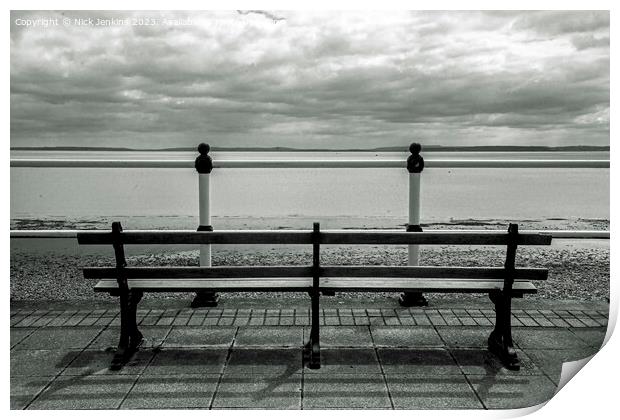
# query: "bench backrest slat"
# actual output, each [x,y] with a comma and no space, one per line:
[305,237]
[429,238]
[325,271]
[525,273]
[198,272]
[191,237]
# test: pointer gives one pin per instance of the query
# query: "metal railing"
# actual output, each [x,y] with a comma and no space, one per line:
[308,163]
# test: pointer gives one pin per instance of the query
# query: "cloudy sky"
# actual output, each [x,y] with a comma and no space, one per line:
[302,79]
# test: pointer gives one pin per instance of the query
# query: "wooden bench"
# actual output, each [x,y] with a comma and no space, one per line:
[129,283]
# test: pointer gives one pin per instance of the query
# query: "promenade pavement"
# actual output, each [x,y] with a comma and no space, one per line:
[247,353]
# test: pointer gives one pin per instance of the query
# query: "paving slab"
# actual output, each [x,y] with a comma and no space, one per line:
[25,388]
[593,337]
[40,362]
[346,361]
[419,361]
[547,338]
[186,361]
[412,392]
[483,362]
[97,362]
[249,391]
[59,338]
[275,362]
[405,337]
[359,391]
[550,361]
[343,336]
[512,391]
[270,336]
[19,334]
[28,321]
[465,336]
[174,391]
[153,337]
[200,337]
[84,392]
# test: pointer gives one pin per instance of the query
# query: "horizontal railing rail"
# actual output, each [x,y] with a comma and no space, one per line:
[309,163]
[556,234]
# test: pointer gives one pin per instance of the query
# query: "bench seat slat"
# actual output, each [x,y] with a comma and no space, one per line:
[327,284]
[423,285]
[306,271]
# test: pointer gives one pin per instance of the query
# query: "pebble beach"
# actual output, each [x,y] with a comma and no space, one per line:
[575,272]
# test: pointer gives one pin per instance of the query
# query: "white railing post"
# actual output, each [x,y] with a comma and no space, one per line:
[205,216]
[204,166]
[414,214]
[415,166]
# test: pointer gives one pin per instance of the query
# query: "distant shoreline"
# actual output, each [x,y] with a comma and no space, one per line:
[404,149]
[301,222]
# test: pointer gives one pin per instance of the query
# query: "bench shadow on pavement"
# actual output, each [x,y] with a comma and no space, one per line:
[347,374]
[246,373]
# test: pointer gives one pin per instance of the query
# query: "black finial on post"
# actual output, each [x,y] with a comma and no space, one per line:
[204,163]
[415,162]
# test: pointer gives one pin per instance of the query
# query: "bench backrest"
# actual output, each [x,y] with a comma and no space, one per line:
[118,238]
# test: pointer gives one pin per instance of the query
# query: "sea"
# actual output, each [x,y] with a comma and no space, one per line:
[143,198]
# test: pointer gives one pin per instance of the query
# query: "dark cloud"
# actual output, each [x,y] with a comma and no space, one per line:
[585,41]
[313,79]
[263,13]
[563,22]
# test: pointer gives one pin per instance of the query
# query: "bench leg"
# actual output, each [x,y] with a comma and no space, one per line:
[313,348]
[205,300]
[131,337]
[500,340]
[410,299]
[135,336]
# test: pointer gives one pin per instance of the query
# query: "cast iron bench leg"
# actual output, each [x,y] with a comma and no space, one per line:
[411,299]
[313,347]
[500,340]
[135,336]
[131,337]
